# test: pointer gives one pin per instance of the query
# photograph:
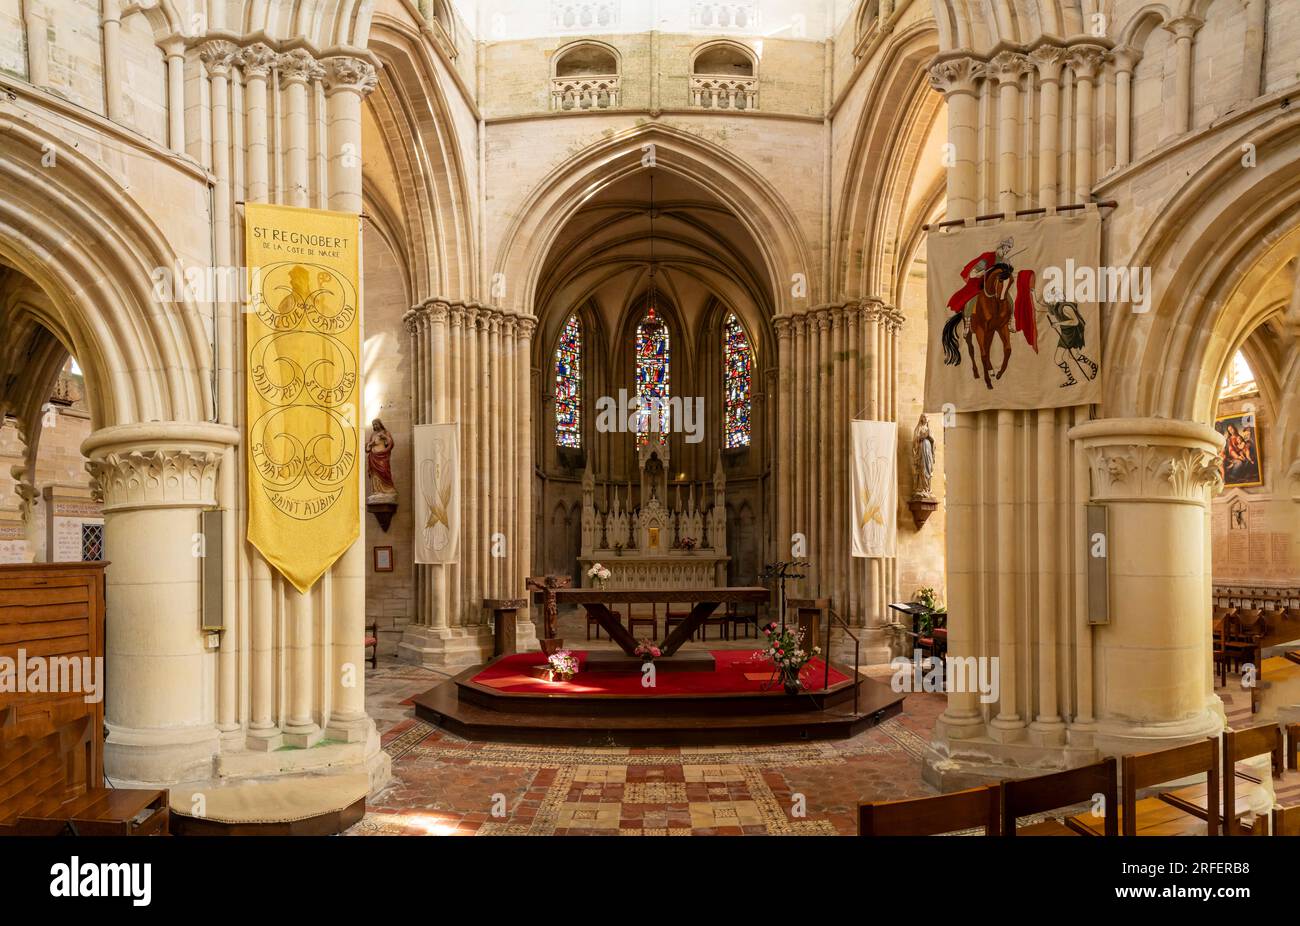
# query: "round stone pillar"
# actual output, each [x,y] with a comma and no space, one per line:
[159,705]
[1150,662]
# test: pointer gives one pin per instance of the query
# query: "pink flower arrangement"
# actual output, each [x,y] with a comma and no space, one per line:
[646,649]
[687,543]
[564,662]
[784,648]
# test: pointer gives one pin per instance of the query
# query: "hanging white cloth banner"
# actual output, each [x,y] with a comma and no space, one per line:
[873,512]
[437,493]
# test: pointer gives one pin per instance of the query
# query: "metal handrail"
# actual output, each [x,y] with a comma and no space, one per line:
[857,651]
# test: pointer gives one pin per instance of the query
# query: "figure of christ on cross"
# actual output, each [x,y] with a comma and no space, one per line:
[550,642]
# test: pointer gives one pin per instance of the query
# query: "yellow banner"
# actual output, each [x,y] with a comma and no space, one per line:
[302,363]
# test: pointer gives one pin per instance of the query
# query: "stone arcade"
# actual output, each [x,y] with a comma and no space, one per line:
[718,208]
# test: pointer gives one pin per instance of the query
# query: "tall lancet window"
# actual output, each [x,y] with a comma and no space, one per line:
[737,383]
[568,385]
[652,360]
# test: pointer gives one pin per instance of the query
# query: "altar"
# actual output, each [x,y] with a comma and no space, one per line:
[660,543]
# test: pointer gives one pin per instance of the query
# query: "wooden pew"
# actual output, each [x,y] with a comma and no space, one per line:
[930,816]
[1240,790]
[1153,816]
[1286,821]
[1026,796]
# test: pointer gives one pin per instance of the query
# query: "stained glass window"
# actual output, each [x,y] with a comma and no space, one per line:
[652,359]
[737,380]
[568,385]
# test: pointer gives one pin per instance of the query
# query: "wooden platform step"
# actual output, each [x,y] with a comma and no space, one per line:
[443,706]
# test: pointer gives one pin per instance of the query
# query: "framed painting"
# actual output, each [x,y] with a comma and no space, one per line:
[1243,463]
[383,559]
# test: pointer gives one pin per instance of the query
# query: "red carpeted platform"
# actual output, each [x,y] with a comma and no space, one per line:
[730,701]
[736,672]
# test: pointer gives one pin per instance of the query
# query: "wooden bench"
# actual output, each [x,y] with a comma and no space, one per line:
[975,808]
[1153,816]
[1241,791]
[1026,796]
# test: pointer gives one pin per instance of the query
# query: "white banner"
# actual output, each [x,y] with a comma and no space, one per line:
[437,493]
[873,512]
[1013,317]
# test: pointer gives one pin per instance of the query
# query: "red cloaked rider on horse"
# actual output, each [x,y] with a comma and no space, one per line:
[986,308]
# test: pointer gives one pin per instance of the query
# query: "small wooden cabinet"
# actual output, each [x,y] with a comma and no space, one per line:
[52,740]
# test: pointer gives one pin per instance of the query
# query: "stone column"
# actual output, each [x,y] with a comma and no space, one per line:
[36,20]
[1048,59]
[1252,65]
[257,61]
[1007,67]
[296,69]
[347,81]
[1084,61]
[111,28]
[1183,28]
[154,479]
[1155,476]
[175,52]
[1126,60]
[958,80]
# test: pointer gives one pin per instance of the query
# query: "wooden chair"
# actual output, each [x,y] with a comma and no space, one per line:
[1026,796]
[1286,821]
[371,642]
[930,816]
[1240,789]
[721,621]
[633,619]
[1155,817]
[747,620]
[1293,746]
[676,617]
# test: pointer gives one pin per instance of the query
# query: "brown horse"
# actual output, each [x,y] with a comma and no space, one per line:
[991,315]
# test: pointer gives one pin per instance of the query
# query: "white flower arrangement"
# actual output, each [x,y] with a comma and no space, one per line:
[599,573]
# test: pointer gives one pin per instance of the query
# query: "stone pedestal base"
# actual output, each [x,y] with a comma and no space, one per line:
[160,757]
[447,649]
[873,647]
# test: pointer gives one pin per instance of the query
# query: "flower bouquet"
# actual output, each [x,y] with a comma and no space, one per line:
[599,575]
[785,649]
[648,651]
[564,665]
[687,543]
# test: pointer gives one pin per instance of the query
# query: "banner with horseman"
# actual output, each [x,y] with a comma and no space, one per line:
[1010,325]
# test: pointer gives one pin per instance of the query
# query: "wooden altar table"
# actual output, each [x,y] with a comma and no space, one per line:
[704,602]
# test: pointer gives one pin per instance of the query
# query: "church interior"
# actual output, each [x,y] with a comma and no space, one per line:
[687,417]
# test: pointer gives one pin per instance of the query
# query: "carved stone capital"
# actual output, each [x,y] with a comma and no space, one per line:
[1125,58]
[1048,59]
[1008,66]
[956,75]
[1085,60]
[257,60]
[217,56]
[1151,459]
[157,465]
[298,67]
[527,326]
[781,325]
[345,72]
[413,319]
[1184,27]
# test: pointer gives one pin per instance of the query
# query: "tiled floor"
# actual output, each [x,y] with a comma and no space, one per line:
[446,785]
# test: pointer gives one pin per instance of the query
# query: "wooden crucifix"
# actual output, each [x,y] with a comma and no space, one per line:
[547,585]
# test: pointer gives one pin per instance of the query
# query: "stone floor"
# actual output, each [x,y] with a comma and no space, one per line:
[445,785]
